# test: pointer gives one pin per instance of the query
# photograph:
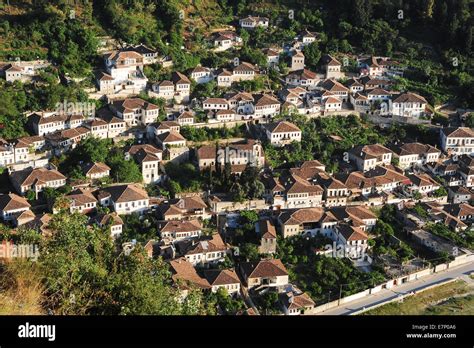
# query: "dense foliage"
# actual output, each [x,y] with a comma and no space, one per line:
[82,273]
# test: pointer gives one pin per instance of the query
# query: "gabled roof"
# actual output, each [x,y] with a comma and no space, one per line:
[112,218]
[170,136]
[12,201]
[81,197]
[413,149]
[185,115]
[300,216]
[180,226]
[458,210]
[266,100]
[460,132]
[303,74]
[334,86]
[245,66]
[144,156]
[330,60]
[221,277]
[351,233]
[215,101]
[102,76]
[409,98]
[330,183]
[264,269]
[208,246]
[130,104]
[179,78]
[422,180]
[30,176]
[297,301]
[369,151]
[332,100]
[183,271]
[306,33]
[134,149]
[282,127]
[267,229]
[141,49]
[95,168]
[124,193]
[353,82]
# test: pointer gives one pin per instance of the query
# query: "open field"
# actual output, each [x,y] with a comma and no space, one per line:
[456,298]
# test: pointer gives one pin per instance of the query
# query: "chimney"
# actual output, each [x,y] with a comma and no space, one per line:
[291,298]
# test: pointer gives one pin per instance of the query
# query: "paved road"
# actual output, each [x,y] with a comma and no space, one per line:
[387,294]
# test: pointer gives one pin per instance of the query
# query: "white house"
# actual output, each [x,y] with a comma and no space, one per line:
[273,56]
[415,154]
[206,252]
[96,170]
[265,273]
[332,67]
[201,74]
[36,179]
[297,60]
[266,106]
[353,240]
[244,72]
[422,183]
[12,205]
[457,141]
[304,78]
[148,158]
[46,123]
[367,157]
[125,199]
[226,278]
[224,78]
[252,22]
[177,230]
[409,105]
[282,133]
[215,104]
[135,111]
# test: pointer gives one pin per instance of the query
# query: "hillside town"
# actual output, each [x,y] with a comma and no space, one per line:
[242,177]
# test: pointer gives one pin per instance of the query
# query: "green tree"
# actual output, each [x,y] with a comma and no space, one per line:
[122,170]
[83,274]
[312,55]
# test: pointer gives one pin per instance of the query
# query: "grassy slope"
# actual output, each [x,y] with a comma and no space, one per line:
[437,301]
[20,290]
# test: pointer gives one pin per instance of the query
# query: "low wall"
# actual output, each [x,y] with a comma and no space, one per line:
[420,274]
[401,297]
[229,124]
[355,296]
[462,259]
